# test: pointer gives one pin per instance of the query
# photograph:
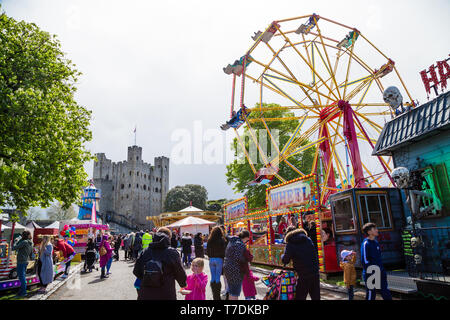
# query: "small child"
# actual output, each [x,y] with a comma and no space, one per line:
[197,281]
[248,286]
[348,259]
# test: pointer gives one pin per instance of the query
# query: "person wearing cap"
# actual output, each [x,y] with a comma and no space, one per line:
[348,259]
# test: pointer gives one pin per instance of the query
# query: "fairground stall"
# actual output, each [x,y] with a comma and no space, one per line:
[290,203]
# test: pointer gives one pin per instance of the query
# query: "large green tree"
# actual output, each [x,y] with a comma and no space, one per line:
[179,197]
[43,129]
[240,174]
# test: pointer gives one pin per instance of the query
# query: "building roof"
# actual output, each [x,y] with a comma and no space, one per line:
[423,121]
[191,209]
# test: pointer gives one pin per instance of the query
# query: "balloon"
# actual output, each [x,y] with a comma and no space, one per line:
[73,229]
[62,233]
[65,227]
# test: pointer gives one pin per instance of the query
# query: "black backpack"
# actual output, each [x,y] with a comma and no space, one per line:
[153,274]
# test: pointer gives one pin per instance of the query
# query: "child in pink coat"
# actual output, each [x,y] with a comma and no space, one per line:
[248,283]
[197,281]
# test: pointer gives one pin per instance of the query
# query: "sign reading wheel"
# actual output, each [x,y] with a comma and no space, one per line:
[293,194]
[236,209]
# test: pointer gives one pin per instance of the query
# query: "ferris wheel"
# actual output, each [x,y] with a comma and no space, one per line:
[337,85]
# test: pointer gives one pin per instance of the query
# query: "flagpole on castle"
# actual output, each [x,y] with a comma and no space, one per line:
[135,136]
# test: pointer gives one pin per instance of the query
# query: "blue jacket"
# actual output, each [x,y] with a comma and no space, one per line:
[371,254]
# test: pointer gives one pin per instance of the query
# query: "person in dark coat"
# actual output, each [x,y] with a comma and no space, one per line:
[172,268]
[311,232]
[117,244]
[198,246]
[137,244]
[215,249]
[24,247]
[90,256]
[301,251]
[174,240]
[233,266]
[186,250]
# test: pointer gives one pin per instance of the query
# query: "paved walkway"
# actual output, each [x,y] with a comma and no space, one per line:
[119,285]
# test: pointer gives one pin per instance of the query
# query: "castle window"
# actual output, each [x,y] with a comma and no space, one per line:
[145,176]
[145,187]
[137,186]
[137,173]
[127,196]
[129,185]
[107,177]
[156,189]
[113,188]
[121,186]
[130,173]
[137,158]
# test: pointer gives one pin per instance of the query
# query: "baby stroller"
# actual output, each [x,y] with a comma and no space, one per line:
[281,285]
[90,258]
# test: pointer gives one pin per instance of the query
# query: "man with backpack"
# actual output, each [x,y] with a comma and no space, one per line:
[158,267]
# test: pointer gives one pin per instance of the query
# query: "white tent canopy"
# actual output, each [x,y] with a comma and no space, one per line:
[192,225]
[17,226]
[54,225]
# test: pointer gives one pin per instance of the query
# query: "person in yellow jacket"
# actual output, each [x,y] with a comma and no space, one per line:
[348,259]
[146,240]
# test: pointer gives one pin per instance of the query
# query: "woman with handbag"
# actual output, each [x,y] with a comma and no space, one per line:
[105,252]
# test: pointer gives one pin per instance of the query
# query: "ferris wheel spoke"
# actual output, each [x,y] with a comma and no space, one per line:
[245,151]
[328,60]
[349,64]
[303,58]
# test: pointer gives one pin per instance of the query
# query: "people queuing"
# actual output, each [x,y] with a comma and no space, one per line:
[158,264]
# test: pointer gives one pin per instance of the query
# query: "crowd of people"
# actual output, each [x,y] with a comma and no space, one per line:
[158,264]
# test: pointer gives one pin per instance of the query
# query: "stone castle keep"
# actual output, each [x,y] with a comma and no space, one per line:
[131,189]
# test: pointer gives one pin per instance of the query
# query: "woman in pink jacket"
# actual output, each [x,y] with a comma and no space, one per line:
[197,281]
[106,258]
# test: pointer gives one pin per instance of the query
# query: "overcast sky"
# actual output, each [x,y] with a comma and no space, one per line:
[158,65]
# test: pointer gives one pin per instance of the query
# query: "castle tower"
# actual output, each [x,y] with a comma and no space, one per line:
[132,189]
